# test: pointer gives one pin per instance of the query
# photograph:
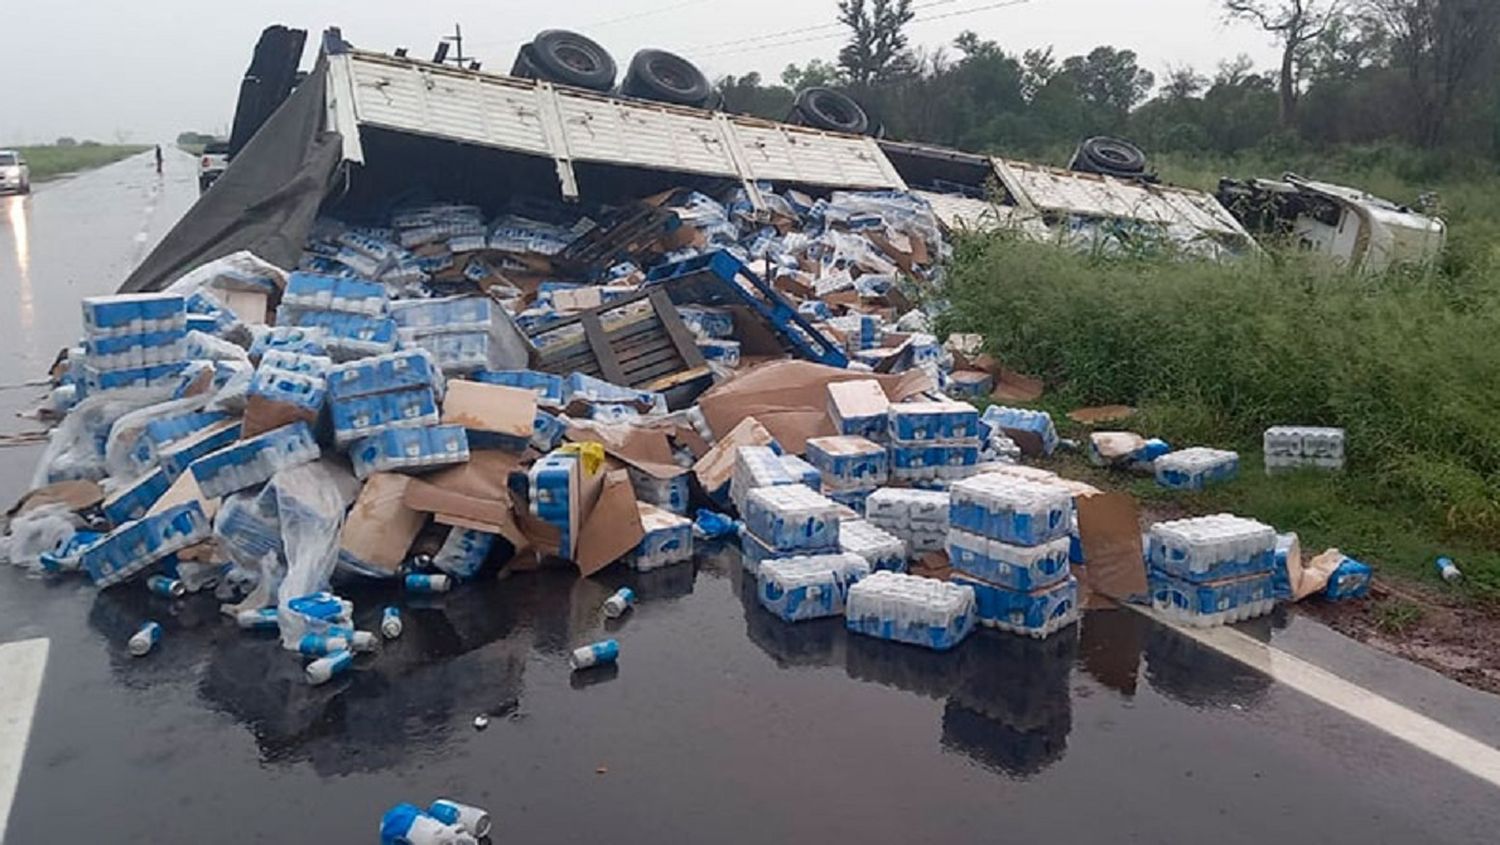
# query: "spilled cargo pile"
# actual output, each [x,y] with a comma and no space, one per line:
[436,395]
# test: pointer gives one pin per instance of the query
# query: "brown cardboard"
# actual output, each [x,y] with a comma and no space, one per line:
[715,468]
[510,411]
[1101,414]
[1312,576]
[248,305]
[646,449]
[380,527]
[184,490]
[612,527]
[1011,386]
[1109,527]
[77,495]
[475,492]
[1115,446]
[262,415]
[577,299]
[790,398]
[1029,442]
[933,565]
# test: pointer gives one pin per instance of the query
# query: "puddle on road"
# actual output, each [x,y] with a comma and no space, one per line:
[1006,701]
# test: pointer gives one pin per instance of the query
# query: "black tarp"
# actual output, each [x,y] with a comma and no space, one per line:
[265,202]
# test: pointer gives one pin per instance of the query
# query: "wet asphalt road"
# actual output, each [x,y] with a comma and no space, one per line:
[720,723]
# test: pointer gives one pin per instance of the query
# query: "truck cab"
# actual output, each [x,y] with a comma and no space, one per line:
[1353,228]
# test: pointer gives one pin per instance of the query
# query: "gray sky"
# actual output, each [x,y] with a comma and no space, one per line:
[152,68]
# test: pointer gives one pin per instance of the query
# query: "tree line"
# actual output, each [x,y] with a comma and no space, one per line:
[1416,72]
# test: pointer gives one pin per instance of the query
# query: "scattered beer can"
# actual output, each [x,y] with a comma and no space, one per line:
[260,619]
[419,582]
[616,605]
[321,645]
[1449,570]
[601,653]
[143,640]
[472,820]
[166,587]
[390,623]
[321,670]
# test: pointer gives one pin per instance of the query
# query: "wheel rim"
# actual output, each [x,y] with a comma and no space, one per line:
[834,110]
[669,74]
[575,58]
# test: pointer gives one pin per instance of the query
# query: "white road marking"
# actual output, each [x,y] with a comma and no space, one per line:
[22,665]
[1433,737]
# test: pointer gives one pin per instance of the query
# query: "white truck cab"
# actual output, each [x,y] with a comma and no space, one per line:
[1354,228]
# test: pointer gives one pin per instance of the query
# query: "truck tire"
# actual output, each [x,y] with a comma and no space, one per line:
[568,58]
[665,77]
[825,108]
[1110,156]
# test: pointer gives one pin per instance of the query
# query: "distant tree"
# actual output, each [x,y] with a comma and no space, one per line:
[1109,80]
[1183,83]
[1297,24]
[876,51]
[746,95]
[1038,67]
[66,141]
[815,74]
[88,143]
[1447,49]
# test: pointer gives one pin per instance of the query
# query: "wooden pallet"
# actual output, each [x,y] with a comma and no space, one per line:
[638,341]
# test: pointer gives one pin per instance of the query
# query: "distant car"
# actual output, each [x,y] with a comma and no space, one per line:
[212,163]
[15,174]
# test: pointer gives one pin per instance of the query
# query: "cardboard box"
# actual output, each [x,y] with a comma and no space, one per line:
[248,305]
[380,527]
[790,398]
[263,415]
[715,468]
[472,495]
[577,299]
[184,490]
[509,412]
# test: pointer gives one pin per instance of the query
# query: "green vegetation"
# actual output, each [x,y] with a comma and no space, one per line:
[47,162]
[1396,616]
[1213,354]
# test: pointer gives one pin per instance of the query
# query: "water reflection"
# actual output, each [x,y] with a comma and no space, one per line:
[17,215]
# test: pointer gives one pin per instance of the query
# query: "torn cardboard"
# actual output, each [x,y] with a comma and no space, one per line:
[790,398]
[77,495]
[1101,414]
[1109,528]
[184,490]
[475,493]
[715,468]
[509,412]
[262,415]
[612,527]
[380,528]
[646,449]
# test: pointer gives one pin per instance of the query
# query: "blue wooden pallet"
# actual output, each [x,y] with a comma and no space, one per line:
[718,278]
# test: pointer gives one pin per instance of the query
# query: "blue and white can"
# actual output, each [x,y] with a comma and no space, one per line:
[601,653]
[616,605]
[407,824]
[321,670]
[321,645]
[472,820]
[142,641]
[390,623]
[260,619]
[166,587]
[419,582]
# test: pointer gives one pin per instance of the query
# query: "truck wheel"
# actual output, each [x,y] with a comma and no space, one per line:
[666,77]
[825,108]
[568,58]
[1109,155]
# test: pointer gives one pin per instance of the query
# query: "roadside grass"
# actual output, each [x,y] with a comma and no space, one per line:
[1395,616]
[48,162]
[1213,354]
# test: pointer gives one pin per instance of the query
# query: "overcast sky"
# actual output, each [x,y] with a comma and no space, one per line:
[148,69]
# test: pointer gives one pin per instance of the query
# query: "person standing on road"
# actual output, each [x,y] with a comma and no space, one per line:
[158,159]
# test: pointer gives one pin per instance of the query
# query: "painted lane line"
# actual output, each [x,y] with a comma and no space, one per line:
[1435,738]
[22,665]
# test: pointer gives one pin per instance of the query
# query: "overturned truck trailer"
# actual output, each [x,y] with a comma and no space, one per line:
[365,130]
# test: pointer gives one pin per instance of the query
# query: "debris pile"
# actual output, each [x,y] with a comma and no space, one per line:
[430,397]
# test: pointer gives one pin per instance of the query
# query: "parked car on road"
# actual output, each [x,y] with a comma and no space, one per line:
[15,174]
[212,163]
